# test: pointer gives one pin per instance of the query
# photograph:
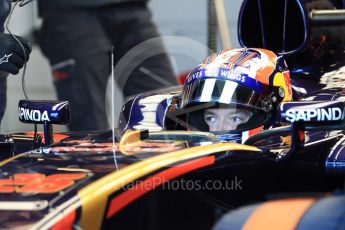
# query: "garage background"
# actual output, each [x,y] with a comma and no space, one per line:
[182,18]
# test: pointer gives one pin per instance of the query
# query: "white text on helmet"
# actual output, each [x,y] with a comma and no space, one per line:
[232,75]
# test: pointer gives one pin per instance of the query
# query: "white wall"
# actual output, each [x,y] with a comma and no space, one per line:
[173,18]
[189,18]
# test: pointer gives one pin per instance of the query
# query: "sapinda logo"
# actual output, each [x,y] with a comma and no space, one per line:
[329,114]
[33,115]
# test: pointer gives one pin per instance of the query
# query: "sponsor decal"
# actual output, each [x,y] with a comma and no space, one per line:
[233,75]
[153,147]
[5,58]
[226,74]
[217,72]
[33,115]
[39,183]
[77,146]
[322,114]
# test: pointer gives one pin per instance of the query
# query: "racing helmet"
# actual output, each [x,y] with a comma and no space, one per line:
[253,80]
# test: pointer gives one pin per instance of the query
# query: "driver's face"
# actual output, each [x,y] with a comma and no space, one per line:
[225,119]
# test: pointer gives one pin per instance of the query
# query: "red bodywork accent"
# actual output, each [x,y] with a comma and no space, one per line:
[56,136]
[301,135]
[257,130]
[39,183]
[141,188]
[66,222]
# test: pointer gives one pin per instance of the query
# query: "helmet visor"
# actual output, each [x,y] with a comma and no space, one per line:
[212,93]
[219,91]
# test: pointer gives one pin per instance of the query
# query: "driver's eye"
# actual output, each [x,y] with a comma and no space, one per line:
[236,119]
[210,118]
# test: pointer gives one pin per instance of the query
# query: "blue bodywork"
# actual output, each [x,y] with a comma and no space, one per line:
[149,112]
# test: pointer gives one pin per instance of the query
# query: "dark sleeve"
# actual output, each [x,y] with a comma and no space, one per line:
[68,4]
[5,8]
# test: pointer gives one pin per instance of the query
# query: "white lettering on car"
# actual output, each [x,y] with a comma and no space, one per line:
[33,115]
[330,114]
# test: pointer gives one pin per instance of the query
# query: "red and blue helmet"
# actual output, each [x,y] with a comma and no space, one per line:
[253,79]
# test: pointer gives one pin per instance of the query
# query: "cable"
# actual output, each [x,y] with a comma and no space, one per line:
[113,104]
[37,138]
[22,3]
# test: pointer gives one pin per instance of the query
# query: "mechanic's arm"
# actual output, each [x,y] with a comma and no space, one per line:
[12,57]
